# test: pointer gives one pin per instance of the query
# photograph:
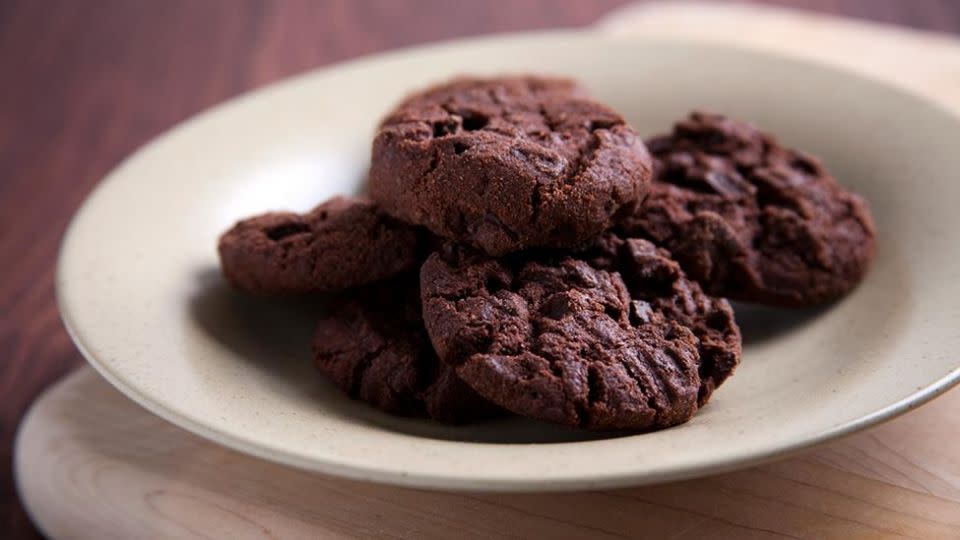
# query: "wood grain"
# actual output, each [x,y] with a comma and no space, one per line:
[104,468]
[85,83]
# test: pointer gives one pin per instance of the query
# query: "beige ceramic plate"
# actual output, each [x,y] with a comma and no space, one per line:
[140,291]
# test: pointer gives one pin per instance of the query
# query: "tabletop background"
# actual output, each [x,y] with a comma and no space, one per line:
[85,83]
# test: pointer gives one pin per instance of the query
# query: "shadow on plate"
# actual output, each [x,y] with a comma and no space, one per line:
[272,334]
[761,323]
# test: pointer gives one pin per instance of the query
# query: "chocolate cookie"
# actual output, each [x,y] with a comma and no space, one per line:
[508,163]
[612,338]
[751,220]
[373,346]
[341,243]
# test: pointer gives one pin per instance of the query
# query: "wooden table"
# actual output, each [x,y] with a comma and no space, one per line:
[85,83]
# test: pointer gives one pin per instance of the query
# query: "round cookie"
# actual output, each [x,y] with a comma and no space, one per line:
[508,163]
[341,243]
[751,220]
[373,346]
[613,338]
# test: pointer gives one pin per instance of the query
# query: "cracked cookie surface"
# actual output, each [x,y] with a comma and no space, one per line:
[508,163]
[372,345]
[652,275]
[341,243]
[751,220]
[612,338]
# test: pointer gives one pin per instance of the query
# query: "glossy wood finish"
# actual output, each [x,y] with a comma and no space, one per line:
[85,83]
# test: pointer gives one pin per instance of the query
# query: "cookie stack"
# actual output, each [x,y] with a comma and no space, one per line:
[522,252]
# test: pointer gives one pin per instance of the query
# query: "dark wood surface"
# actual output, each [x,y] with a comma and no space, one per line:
[83,83]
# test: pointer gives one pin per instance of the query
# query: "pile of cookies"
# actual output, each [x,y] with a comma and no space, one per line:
[522,251]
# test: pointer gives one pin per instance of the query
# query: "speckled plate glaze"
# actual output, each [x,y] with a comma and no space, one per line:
[142,297]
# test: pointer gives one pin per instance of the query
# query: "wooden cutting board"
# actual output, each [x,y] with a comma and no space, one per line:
[92,464]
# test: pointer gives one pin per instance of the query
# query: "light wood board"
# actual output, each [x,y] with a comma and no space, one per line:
[92,464]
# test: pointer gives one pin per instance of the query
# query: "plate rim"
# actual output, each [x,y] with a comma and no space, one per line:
[449,481]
